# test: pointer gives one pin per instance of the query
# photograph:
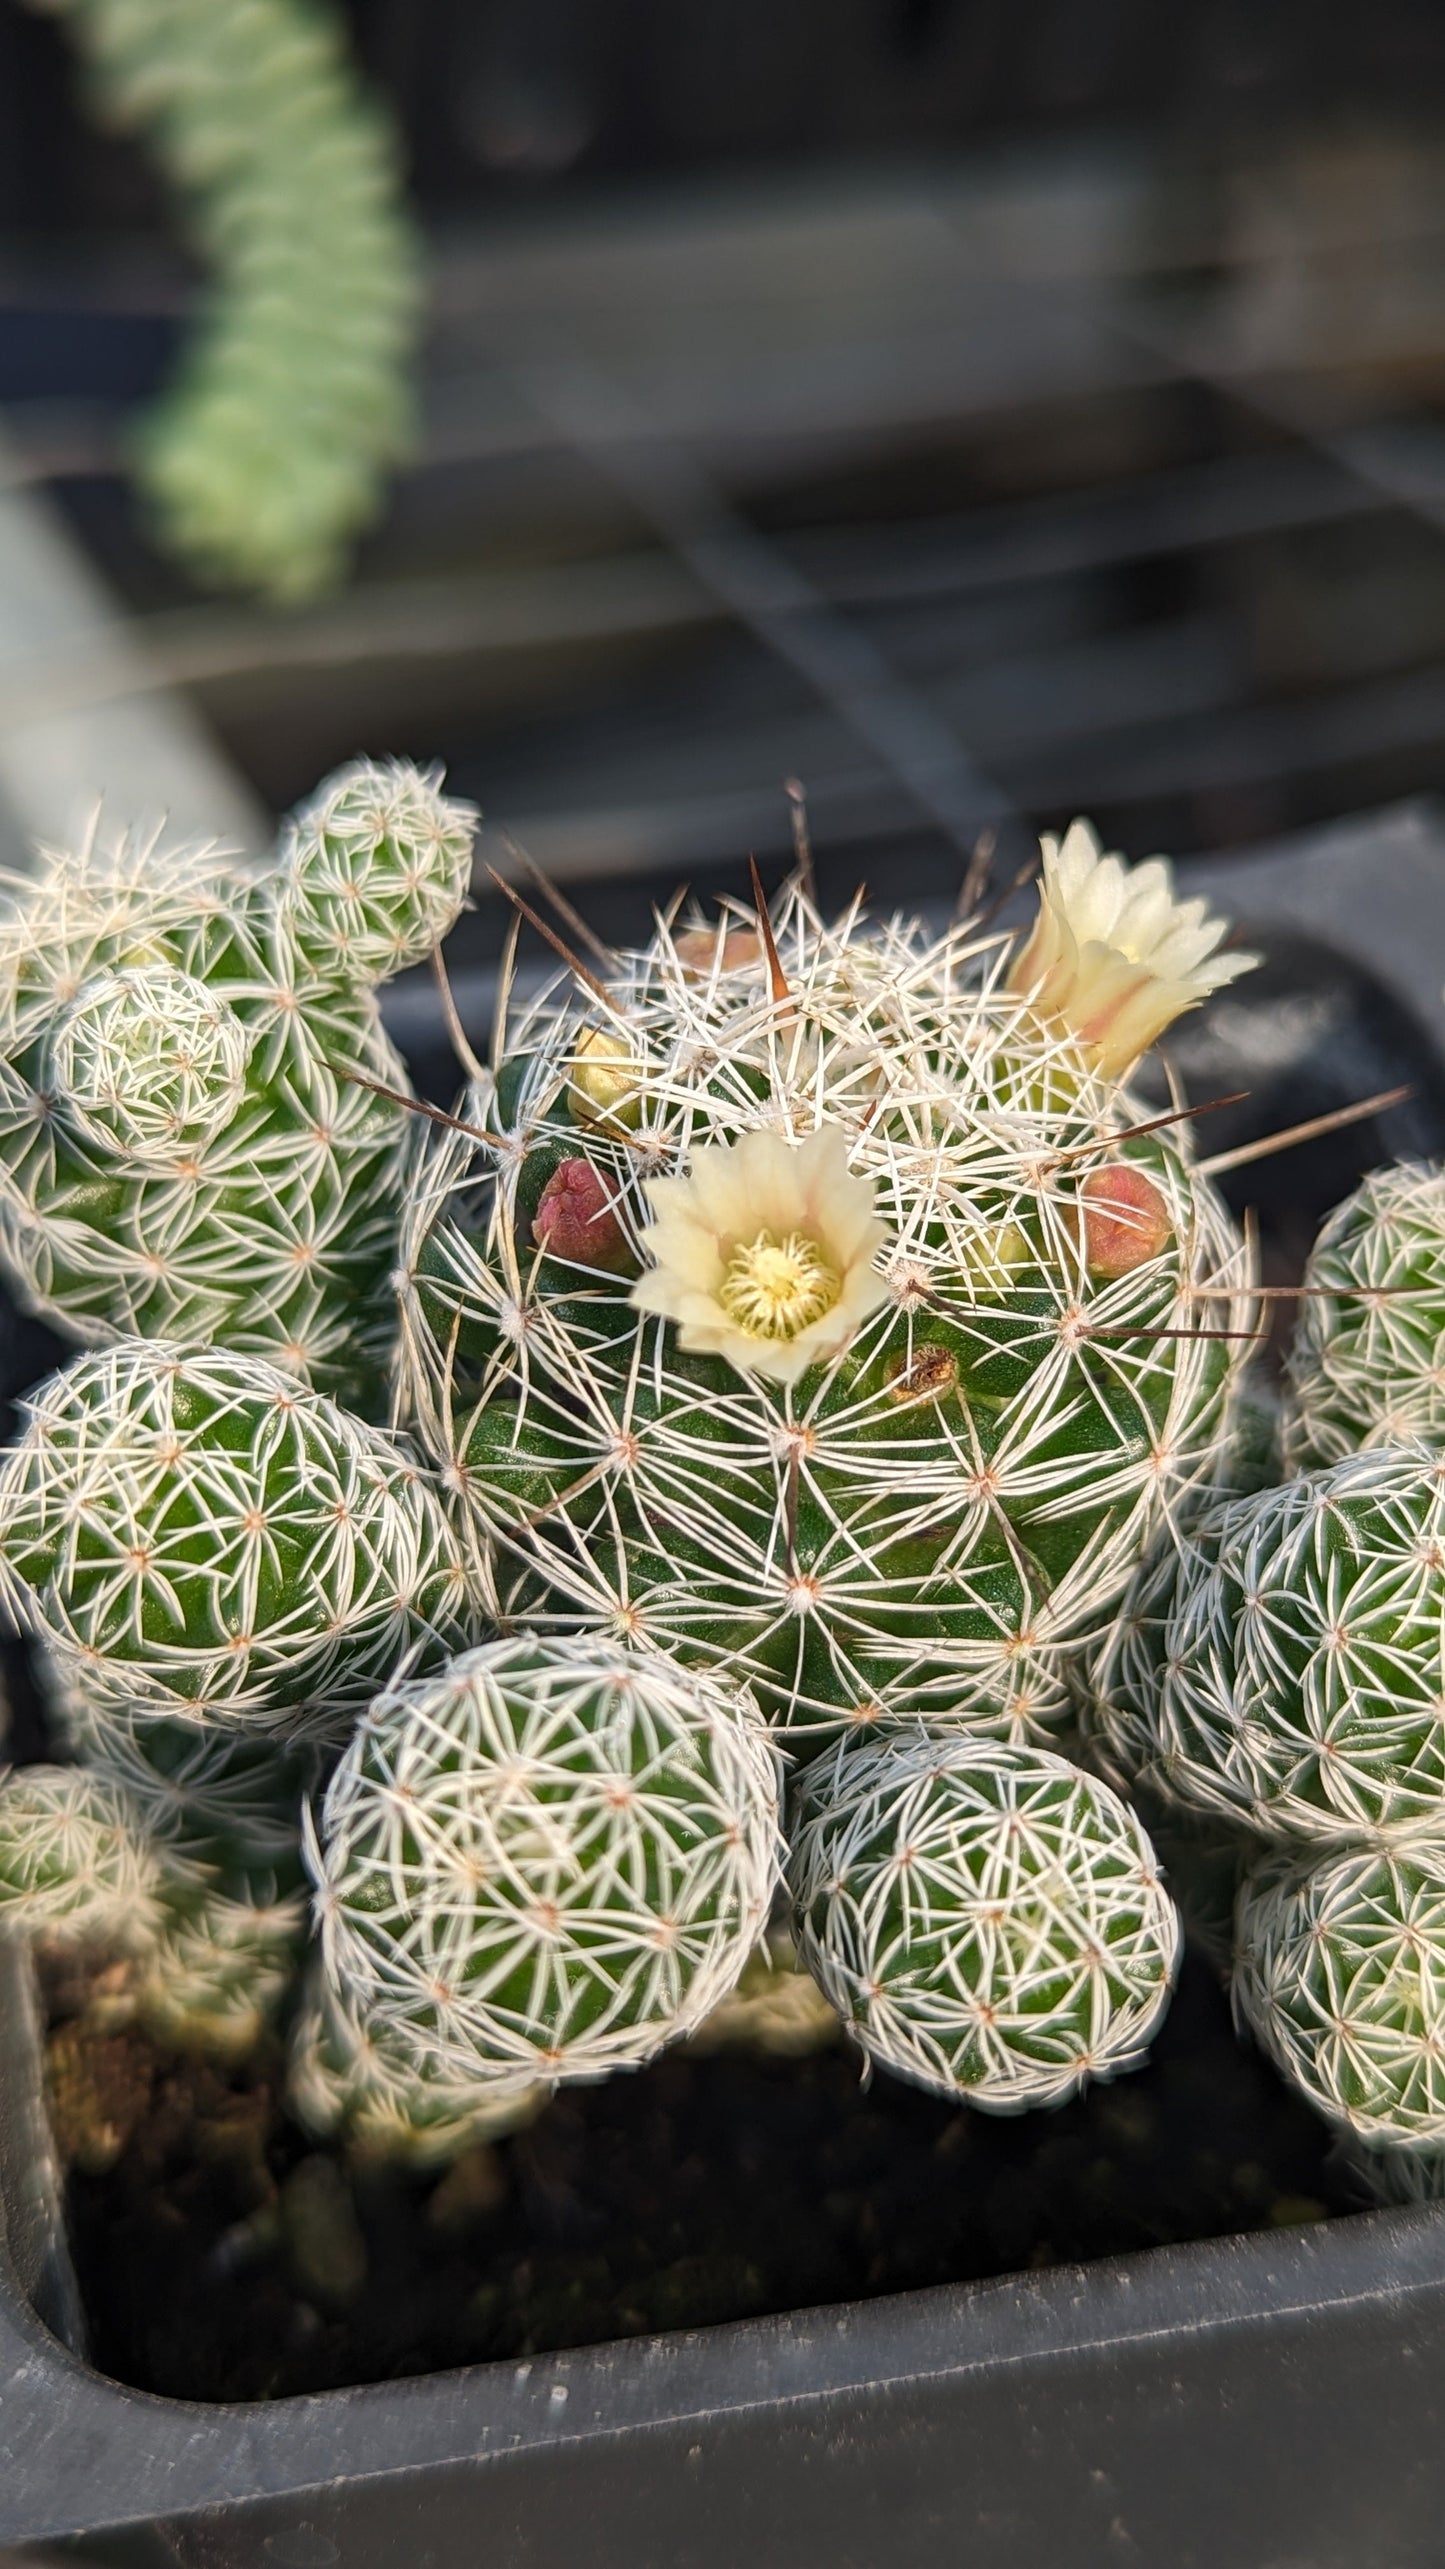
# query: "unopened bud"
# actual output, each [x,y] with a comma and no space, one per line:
[604,1086]
[576,1219]
[1126,1220]
[697,951]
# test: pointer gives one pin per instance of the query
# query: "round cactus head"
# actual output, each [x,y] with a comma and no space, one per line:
[1338,1973]
[75,1863]
[547,1861]
[817,1310]
[1368,1362]
[374,871]
[194,1534]
[147,1062]
[989,1921]
[1298,1682]
[193,1141]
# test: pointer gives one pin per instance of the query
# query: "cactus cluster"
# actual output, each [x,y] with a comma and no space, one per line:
[192,1140]
[1278,1675]
[806,1339]
[265,457]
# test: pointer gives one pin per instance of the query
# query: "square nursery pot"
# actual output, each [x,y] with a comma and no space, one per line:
[1273,2401]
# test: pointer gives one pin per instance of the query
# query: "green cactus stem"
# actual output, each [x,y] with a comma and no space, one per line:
[1368,1362]
[1340,1974]
[195,1535]
[546,1862]
[899,1343]
[988,1920]
[1290,1679]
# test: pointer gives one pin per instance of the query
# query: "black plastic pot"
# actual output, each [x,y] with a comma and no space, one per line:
[1274,2401]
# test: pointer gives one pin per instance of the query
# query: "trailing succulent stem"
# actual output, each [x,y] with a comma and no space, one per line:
[265,458]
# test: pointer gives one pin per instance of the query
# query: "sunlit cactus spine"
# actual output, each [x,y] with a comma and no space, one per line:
[1368,1362]
[989,1921]
[1340,1974]
[813,1305]
[194,1534]
[189,1146]
[1288,1676]
[542,1864]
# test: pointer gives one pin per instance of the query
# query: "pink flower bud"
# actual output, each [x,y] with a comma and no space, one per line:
[576,1218]
[697,950]
[1126,1220]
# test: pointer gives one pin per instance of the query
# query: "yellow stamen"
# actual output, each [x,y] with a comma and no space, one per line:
[775,1288]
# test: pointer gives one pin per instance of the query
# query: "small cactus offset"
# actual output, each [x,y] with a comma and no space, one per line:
[1288,1676]
[817,1309]
[989,1921]
[372,2077]
[221,1812]
[75,1862]
[543,1864]
[1340,1973]
[1368,1362]
[189,1146]
[196,1535]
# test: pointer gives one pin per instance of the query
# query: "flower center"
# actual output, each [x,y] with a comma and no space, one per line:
[776,1288]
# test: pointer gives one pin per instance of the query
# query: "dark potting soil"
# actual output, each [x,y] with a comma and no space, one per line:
[223,2256]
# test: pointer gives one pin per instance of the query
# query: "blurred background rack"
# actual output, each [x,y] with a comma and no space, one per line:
[981,416]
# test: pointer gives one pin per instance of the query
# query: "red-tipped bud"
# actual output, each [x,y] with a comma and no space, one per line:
[576,1219]
[1126,1220]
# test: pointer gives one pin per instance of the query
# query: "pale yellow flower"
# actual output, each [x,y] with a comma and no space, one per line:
[764,1253]
[1114,958]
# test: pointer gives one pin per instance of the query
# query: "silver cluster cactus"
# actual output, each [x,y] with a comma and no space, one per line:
[543,1864]
[991,1921]
[804,1335]
[195,1535]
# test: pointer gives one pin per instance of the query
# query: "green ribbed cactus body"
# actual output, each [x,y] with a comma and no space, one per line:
[195,1535]
[221,1812]
[1340,1973]
[75,1862]
[1291,1678]
[923,1518]
[545,1863]
[377,2080]
[988,1920]
[1368,1362]
[183,1152]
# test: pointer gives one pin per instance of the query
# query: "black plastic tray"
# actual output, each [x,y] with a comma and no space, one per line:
[1270,2402]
